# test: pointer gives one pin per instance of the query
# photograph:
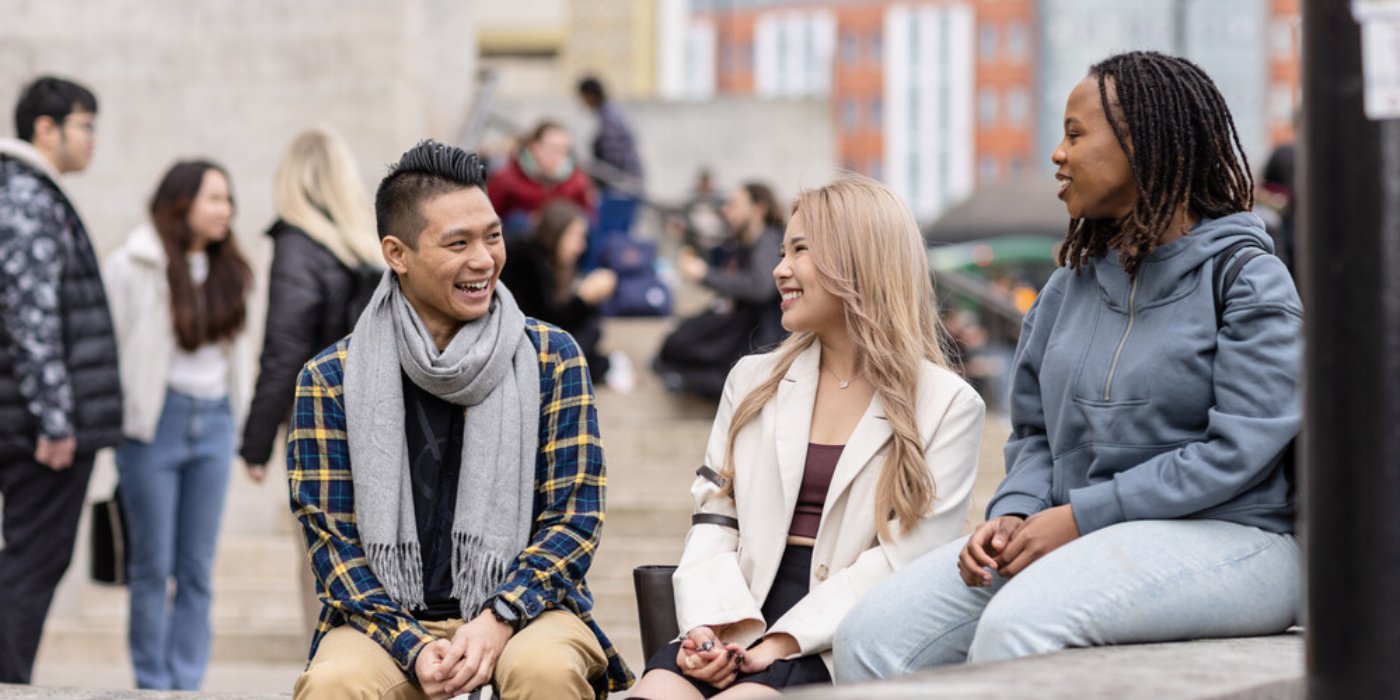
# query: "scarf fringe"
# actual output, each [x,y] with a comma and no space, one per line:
[477,571]
[399,567]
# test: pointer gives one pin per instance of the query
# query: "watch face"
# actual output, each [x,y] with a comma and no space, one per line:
[505,613]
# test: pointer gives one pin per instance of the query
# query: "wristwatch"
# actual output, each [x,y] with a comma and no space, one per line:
[504,613]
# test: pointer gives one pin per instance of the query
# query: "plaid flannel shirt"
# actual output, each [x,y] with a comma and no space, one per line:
[568,505]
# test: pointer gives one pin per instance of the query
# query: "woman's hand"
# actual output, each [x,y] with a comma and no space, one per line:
[987,542]
[705,658]
[1042,534]
[691,266]
[257,472]
[773,647]
[598,286]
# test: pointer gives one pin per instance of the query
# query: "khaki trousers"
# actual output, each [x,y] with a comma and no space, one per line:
[553,658]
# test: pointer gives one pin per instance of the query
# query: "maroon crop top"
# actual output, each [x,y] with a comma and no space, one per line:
[816,479]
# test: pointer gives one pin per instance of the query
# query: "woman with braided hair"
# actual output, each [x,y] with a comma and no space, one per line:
[1148,496]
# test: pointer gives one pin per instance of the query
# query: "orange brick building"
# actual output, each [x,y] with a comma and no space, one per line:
[938,96]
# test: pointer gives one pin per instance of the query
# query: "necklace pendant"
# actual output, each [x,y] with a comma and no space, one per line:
[842,385]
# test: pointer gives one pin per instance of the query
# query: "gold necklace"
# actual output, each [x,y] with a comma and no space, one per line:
[840,383]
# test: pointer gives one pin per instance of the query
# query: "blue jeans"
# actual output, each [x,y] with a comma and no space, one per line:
[1135,582]
[173,489]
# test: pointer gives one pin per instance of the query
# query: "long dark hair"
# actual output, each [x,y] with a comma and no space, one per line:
[215,310]
[762,195]
[1182,144]
[555,219]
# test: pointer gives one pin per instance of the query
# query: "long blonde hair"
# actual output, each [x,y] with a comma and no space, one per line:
[867,248]
[317,188]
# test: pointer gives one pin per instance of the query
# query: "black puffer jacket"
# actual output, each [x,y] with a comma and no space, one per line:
[36,217]
[313,301]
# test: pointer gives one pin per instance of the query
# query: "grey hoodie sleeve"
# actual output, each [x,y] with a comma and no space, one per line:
[1258,411]
[1029,465]
[753,282]
[31,256]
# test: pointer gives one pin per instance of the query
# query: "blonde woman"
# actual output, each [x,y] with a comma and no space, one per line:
[836,459]
[325,264]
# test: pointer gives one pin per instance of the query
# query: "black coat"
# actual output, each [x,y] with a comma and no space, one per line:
[89,342]
[529,276]
[313,301]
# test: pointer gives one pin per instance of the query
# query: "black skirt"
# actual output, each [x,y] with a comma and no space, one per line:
[789,586]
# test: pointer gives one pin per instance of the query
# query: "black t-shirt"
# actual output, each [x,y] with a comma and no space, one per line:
[434,431]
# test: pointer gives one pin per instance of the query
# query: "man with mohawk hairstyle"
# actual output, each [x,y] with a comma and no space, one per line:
[445,465]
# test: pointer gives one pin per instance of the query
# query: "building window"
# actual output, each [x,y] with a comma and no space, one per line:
[877,113]
[1018,41]
[736,56]
[987,106]
[1018,106]
[1281,104]
[850,115]
[876,47]
[987,47]
[987,170]
[875,169]
[1018,166]
[850,48]
[1281,38]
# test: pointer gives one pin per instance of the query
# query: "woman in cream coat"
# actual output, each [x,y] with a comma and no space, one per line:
[178,288]
[846,453]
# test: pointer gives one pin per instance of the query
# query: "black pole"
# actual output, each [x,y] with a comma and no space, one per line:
[1350,263]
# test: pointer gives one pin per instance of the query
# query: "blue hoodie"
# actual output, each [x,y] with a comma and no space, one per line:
[1128,404]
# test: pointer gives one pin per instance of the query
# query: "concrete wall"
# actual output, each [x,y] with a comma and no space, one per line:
[235,81]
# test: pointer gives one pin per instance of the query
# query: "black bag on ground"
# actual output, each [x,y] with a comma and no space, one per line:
[656,606]
[109,541]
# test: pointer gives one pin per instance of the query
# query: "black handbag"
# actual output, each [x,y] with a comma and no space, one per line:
[656,599]
[109,541]
[656,606]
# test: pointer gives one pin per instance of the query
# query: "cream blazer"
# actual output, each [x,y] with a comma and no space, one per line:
[138,294]
[724,575]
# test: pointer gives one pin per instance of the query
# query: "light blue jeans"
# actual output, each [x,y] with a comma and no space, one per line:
[173,489]
[1135,582]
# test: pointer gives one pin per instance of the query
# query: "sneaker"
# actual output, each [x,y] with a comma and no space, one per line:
[619,377]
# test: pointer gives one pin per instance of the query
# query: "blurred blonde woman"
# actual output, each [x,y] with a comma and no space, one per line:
[834,460]
[325,264]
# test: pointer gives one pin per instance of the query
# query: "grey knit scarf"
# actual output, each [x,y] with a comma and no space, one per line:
[491,369]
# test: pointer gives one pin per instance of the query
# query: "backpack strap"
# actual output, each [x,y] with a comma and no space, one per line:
[1227,268]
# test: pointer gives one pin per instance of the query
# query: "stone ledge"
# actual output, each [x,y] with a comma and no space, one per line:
[29,692]
[1257,668]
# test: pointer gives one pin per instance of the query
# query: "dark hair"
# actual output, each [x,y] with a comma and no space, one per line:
[592,87]
[1184,149]
[51,97]
[425,171]
[554,219]
[545,126]
[762,195]
[215,310]
[1278,170]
